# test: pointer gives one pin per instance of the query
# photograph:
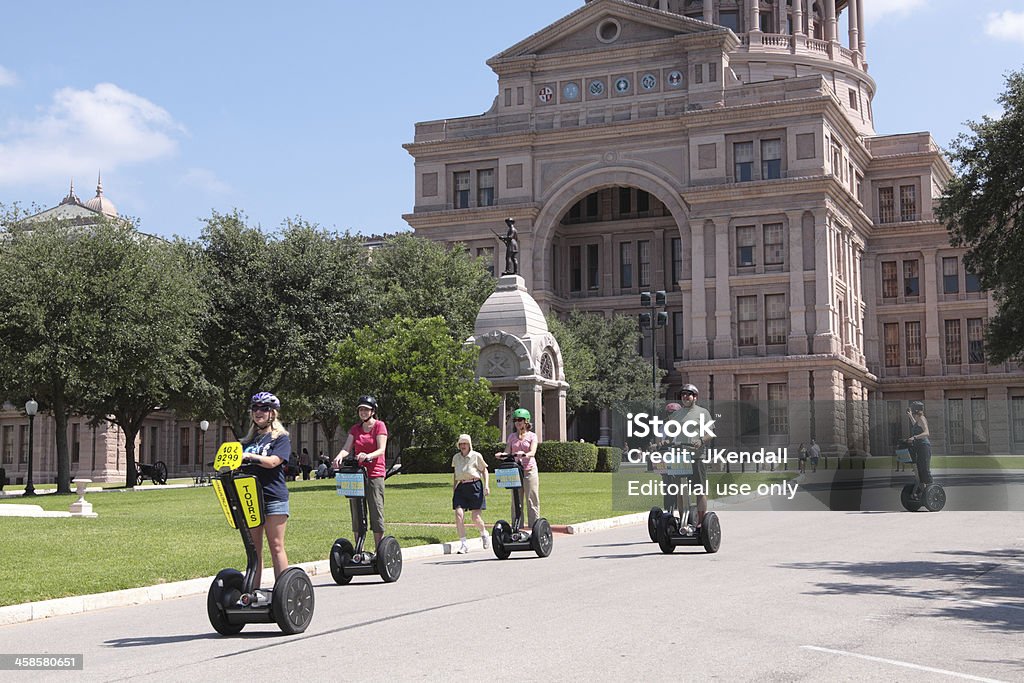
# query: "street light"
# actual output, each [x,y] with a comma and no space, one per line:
[203,426]
[655,320]
[31,408]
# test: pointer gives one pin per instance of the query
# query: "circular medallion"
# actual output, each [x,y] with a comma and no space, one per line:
[545,94]
[596,88]
[570,91]
[622,85]
[649,81]
[675,79]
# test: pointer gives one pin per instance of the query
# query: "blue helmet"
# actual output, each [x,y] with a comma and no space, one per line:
[265,399]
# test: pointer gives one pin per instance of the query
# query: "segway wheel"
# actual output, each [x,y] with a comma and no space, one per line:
[389,559]
[500,535]
[907,498]
[541,539]
[160,473]
[652,523]
[711,532]
[292,602]
[934,497]
[224,591]
[341,557]
[668,526]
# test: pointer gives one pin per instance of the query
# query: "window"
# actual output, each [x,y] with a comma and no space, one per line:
[485,187]
[592,205]
[979,421]
[23,444]
[643,201]
[913,329]
[677,260]
[592,267]
[773,254]
[886,205]
[953,355]
[765,21]
[975,340]
[771,159]
[911,286]
[76,443]
[575,269]
[775,315]
[908,203]
[461,198]
[950,276]
[698,73]
[837,160]
[183,443]
[853,99]
[643,251]
[8,458]
[712,72]
[778,414]
[891,335]
[729,20]
[747,308]
[625,200]
[1017,417]
[971,282]
[890,285]
[744,246]
[626,265]
[743,153]
[750,418]
[955,414]
[677,335]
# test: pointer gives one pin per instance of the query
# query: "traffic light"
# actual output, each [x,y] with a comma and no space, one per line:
[659,298]
[645,299]
[662,319]
[645,321]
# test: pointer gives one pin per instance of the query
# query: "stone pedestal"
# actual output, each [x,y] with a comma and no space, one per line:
[81,508]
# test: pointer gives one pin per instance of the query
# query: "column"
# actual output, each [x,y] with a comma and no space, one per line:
[698,295]
[932,332]
[854,22]
[863,43]
[829,411]
[709,13]
[663,5]
[798,17]
[610,259]
[810,19]
[780,18]
[530,398]
[752,19]
[723,296]
[824,260]
[831,34]
[797,306]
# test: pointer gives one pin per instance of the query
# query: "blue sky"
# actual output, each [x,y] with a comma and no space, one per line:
[302,109]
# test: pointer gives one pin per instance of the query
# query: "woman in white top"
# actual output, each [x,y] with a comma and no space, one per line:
[469,487]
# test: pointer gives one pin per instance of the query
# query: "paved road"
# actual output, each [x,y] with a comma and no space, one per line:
[793,596]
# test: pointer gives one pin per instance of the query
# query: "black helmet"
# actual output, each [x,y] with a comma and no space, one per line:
[368,401]
[689,389]
[265,399]
[916,406]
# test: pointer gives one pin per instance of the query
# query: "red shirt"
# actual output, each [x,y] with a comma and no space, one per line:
[366,442]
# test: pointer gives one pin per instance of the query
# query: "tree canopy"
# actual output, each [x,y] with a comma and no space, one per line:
[983,208]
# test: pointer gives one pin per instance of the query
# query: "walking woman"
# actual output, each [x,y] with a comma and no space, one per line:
[266,449]
[470,487]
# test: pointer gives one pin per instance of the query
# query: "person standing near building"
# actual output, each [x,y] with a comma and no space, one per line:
[522,445]
[692,413]
[920,445]
[367,441]
[304,464]
[265,451]
[470,486]
[815,455]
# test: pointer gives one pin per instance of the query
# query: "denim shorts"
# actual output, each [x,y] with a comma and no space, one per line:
[277,507]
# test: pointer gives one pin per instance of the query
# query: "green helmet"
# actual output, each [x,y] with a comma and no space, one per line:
[521,413]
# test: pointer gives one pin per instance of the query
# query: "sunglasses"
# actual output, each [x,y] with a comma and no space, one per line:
[261,409]
[519,419]
[687,394]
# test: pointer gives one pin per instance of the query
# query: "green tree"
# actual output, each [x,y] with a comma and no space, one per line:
[983,208]
[602,365]
[422,378]
[418,278]
[279,302]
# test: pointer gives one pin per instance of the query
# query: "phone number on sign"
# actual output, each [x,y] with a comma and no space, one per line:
[14,662]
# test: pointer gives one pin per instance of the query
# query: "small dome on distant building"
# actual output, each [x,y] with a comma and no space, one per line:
[100,203]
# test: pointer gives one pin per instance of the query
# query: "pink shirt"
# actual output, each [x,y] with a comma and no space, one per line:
[366,442]
[515,444]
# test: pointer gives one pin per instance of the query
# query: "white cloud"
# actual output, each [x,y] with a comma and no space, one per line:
[205,180]
[82,131]
[1006,25]
[7,77]
[873,11]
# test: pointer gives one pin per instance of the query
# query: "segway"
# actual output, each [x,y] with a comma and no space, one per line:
[233,600]
[913,496]
[675,531]
[351,481]
[669,475]
[507,538]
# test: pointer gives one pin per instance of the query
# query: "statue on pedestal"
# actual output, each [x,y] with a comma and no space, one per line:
[511,241]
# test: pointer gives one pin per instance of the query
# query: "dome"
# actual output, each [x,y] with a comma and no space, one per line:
[101,204]
[511,309]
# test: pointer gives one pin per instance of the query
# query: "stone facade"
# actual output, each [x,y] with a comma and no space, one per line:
[696,148]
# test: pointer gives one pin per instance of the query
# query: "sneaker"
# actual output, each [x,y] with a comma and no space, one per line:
[486,541]
[462,549]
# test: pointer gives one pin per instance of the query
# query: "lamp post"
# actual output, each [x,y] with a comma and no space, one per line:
[655,320]
[31,408]
[203,426]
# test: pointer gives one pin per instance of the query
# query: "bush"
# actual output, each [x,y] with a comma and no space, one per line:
[608,459]
[566,456]
[438,460]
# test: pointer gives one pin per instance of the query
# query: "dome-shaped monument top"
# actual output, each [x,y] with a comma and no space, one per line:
[100,203]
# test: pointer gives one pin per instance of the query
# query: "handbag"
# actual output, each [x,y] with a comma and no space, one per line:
[903,453]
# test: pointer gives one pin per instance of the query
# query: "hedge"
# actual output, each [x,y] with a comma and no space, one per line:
[552,456]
